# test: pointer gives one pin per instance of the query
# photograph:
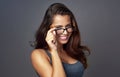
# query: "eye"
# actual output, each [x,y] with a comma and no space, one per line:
[69,27]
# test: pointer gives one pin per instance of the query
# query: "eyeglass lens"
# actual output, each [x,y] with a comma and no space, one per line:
[61,30]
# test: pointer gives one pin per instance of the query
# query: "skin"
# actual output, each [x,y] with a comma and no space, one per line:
[41,61]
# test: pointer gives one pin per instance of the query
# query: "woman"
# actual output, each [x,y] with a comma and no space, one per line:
[58,51]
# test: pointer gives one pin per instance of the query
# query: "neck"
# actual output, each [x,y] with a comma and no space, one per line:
[60,47]
[61,51]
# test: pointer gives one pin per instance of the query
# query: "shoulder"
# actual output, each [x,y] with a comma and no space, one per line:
[38,54]
[40,62]
[37,51]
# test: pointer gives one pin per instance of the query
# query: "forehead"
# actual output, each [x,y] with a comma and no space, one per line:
[61,20]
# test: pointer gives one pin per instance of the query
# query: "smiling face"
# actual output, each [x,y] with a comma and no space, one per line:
[63,26]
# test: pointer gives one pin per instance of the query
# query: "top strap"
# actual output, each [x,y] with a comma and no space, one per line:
[48,53]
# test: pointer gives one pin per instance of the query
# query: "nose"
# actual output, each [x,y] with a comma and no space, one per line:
[65,31]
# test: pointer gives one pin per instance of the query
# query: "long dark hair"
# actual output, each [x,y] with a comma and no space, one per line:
[73,47]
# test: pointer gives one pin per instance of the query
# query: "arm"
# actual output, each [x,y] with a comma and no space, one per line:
[41,62]
[42,65]
[57,67]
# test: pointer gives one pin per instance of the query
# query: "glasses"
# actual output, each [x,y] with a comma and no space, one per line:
[60,30]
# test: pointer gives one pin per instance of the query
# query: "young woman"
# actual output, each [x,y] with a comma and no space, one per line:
[58,51]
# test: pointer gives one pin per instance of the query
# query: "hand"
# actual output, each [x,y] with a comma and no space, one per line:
[51,39]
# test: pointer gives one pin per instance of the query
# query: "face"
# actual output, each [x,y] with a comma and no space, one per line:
[63,28]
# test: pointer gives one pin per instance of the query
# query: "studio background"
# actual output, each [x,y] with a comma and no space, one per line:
[99,24]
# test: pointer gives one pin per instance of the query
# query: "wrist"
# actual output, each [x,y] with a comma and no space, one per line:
[53,52]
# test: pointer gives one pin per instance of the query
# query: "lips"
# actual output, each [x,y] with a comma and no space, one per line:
[63,37]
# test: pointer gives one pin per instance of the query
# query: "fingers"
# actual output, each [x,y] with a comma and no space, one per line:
[51,38]
[51,35]
[52,30]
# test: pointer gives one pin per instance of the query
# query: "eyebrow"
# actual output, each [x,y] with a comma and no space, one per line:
[57,26]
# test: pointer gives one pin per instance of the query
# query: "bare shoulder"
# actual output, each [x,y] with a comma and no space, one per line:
[41,62]
[38,54]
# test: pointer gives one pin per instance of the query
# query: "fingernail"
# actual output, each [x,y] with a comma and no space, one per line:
[54,32]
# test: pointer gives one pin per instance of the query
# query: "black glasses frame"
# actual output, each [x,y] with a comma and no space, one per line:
[66,28]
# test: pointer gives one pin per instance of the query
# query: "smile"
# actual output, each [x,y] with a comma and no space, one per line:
[63,37]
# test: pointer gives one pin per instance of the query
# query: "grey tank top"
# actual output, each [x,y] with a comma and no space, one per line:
[71,70]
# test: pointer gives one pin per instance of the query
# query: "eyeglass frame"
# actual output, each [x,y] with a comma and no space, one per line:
[66,28]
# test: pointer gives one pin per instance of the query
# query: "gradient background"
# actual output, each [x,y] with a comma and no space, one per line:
[99,24]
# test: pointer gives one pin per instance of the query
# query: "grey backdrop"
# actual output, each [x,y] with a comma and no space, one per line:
[99,24]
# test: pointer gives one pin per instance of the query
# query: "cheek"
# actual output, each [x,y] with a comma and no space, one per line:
[70,34]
